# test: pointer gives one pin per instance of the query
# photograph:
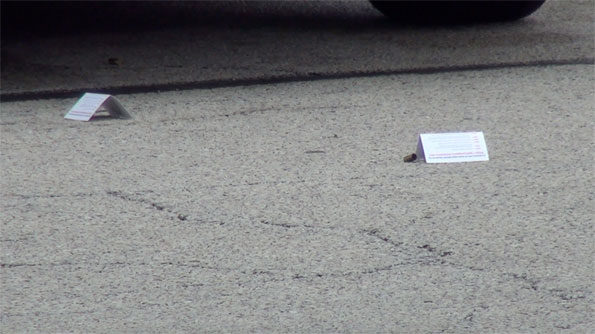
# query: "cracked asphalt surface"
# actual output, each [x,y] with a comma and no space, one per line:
[283,204]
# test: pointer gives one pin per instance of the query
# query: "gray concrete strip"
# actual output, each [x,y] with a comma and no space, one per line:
[306,41]
[288,208]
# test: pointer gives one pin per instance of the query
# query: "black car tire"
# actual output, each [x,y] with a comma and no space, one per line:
[456,11]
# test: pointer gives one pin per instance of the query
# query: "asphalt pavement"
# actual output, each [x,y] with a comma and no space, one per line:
[267,193]
[136,49]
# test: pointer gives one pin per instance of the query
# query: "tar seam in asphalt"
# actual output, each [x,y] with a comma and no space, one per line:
[312,76]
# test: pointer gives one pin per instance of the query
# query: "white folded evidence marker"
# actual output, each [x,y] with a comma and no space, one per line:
[86,107]
[450,147]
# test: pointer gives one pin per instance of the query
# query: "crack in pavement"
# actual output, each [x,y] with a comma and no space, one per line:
[285,274]
[283,225]
[30,196]
[273,183]
[376,234]
[159,207]
[435,257]
[523,278]
[438,256]
[432,250]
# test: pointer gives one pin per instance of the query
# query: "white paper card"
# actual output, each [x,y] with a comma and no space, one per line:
[89,104]
[452,147]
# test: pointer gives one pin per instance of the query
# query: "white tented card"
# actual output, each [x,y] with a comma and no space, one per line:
[86,106]
[90,103]
[452,147]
